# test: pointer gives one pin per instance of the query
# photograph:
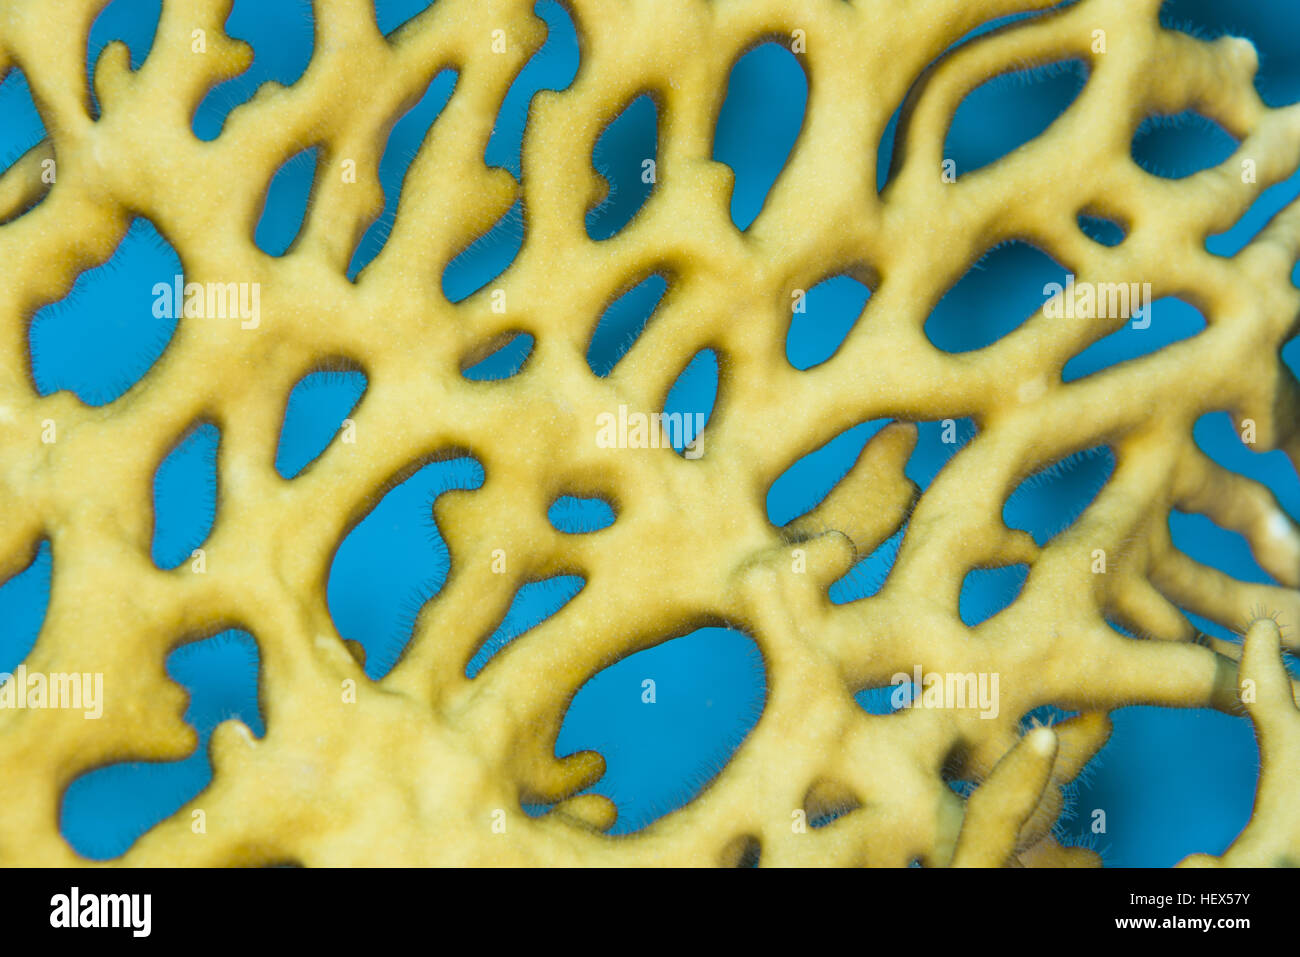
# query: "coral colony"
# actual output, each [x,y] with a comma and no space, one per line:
[427,765]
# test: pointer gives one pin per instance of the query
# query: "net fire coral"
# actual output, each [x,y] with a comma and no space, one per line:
[428,766]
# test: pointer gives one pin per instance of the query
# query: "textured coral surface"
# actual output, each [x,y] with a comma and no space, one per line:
[430,766]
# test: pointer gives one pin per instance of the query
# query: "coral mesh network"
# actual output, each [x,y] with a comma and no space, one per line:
[450,749]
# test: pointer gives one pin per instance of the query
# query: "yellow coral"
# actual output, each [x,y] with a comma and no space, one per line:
[423,764]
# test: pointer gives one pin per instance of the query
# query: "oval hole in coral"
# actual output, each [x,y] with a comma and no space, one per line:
[993,299]
[760,120]
[110,329]
[1048,501]
[823,320]
[887,699]
[394,561]
[622,322]
[285,206]
[281,33]
[106,810]
[667,720]
[503,362]
[1177,146]
[24,599]
[1007,111]
[485,258]
[1101,230]
[185,496]
[318,405]
[987,591]
[1163,322]
[827,801]
[625,154]
[809,479]
[1045,92]
[533,603]
[580,516]
[405,140]
[689,403]
[552,67]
